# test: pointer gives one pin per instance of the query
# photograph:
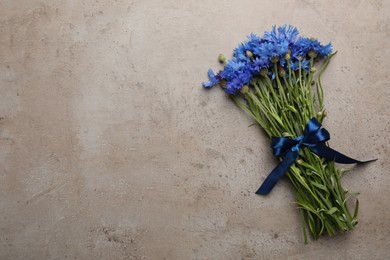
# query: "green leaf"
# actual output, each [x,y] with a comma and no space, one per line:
[291,108]
[333,181]
[320,186]
[332,210]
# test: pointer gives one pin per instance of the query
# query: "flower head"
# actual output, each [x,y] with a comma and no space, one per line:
[237,74]
[240,53]
[258,64]
[305,65]
[271,49]
[303,45]
[213,79]
[284,34]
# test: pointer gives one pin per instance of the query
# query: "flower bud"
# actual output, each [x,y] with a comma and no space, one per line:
[222,59]
[249,54]
[264,72]
[282,72]
[313,70]
[322,114]
[254,81]
[299,161]
[222,83]
[275,59]
[312,54]
[244,89]
[287,56]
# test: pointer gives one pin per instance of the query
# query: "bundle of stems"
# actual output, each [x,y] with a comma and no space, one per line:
[282,107]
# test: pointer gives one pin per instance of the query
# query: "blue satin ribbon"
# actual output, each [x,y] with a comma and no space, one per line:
[314,138]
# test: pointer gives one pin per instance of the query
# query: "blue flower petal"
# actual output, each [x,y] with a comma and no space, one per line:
[213,80]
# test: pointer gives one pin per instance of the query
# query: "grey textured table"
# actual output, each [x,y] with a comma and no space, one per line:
[110,148]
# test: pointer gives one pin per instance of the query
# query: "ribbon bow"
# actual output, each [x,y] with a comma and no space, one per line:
[314,138]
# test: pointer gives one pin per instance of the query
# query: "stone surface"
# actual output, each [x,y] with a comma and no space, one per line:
[110,148]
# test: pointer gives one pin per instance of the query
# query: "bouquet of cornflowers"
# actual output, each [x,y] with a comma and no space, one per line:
[275,81]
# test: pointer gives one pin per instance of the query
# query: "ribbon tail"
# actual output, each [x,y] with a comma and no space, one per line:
[277,173]
[330,155]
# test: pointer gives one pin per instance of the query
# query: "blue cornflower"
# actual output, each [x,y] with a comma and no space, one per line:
[233,86]
[258,64]
[300,48]
[286,34]
[305,64]
[240,52]
[303,45]
[232,68]
[253,42]
[213,79]
[236,83]
[236,73]
[271,49]
[277,42]
[324,50]
[253,38]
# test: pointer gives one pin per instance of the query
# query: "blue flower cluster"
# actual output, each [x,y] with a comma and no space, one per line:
[258,53]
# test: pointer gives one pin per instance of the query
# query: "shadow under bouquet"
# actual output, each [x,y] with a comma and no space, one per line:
[275,81]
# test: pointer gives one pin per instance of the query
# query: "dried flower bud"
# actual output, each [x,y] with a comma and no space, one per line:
[249,54]
[287,56]
[244,89]
[222,59]
[313,70]
[275,59]
[264,72]
[282,72]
